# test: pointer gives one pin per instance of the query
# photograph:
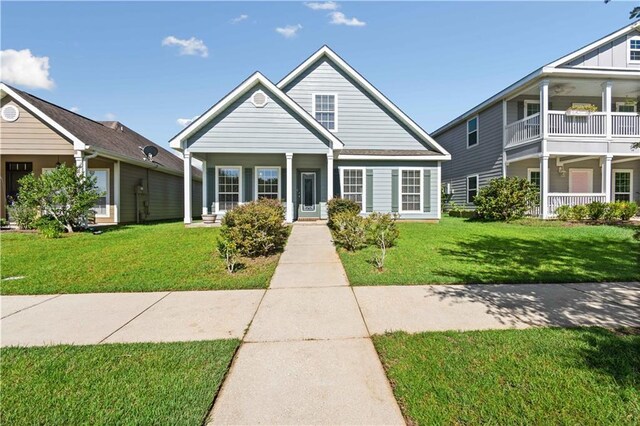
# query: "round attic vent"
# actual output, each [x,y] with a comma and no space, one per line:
[10,113]
[259,99]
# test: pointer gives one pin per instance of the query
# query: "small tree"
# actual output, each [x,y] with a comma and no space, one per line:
[506,199]
[63,194]
[383,233]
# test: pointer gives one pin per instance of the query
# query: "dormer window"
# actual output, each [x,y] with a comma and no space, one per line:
[325,110]
[634,49]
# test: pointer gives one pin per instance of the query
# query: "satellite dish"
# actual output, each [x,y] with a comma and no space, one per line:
[150,151]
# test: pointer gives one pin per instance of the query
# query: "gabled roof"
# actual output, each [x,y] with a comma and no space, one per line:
[325,51]
[244,87]
[107,137]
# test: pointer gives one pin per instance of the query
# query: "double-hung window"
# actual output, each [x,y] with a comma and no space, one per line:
[268,183]
[531,108]
[353,185]
[534,177]
[472,188]
[228,184]
[102,185]
[625,107]
[410,190]
[622,185]
[472,132]
[325,110]
[634,49]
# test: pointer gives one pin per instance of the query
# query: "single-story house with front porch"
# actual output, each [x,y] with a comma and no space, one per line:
[36,135]
[322,131]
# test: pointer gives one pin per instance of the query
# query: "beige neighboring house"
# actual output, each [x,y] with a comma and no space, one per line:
[36,135]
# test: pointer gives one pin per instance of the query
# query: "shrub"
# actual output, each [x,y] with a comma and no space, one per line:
[3,222]
[579,212]
[23,215]
[382,231]
[256,228]
[229,253]
[49,227]
[506,199]
[612,212]
[628,209]
[595,210]
[349,230]
[340,205]
[563,212]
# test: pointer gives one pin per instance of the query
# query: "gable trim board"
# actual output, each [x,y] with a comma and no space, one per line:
[178,141]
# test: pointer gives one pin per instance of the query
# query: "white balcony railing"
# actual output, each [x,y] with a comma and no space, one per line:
[625,124]
[561,124]
[557,199]
[523,130]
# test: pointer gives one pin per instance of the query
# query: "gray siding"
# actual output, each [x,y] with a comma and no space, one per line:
[243,127]
[362,122]
[609,55]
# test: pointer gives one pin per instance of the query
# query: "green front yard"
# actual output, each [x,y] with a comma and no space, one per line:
[166,383]
[528,251]
[162,256]
[536,376]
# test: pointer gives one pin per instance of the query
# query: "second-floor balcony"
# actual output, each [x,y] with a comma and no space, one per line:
[564,124]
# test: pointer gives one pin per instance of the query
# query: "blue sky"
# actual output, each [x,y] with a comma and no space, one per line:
[433,59]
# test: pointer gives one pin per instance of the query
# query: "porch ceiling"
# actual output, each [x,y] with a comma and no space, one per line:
[586,87]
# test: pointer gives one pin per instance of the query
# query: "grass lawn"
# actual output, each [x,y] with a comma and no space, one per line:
[164,383]
[583,376]
[528,251]
[162,256]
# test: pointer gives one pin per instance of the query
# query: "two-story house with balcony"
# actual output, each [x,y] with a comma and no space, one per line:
[322,131]
[568,127]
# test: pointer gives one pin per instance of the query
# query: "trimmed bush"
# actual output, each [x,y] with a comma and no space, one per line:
[506,199]
[469,214]
[49,227]
[340,205]
[596,210]
[256,228]
[563,213]
[628,209]
[349,230]
[579,212]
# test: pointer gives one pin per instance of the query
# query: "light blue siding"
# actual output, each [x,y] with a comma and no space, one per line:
[244,127]
[362,122]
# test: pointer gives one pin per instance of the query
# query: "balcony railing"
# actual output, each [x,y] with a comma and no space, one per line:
[557,199]
[594,125]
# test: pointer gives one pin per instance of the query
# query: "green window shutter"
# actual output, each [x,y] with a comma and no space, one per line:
[394,190]
[211,186]
[336,183]
[369,194]
[283,184]
[248,184]
[427,190]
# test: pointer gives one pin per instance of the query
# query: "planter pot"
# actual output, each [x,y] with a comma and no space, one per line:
[578,113]
[209,219]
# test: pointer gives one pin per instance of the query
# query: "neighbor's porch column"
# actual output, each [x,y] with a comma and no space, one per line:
[78,156]
[544,108]
[544,187]
[289,213]
[187,187]
[329,175]
[205,204]
[606,176]
[606,106]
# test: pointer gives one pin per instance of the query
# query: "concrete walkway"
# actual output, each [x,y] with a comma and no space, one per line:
[307,357]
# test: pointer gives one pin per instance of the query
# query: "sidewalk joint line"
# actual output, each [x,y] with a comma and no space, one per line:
[31,306]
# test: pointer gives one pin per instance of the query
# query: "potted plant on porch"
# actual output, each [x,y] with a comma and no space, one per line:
[581,110]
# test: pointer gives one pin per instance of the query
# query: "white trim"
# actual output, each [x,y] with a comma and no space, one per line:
[421,203]
[116,192]
[477,176]
[619,104]
[341,170]
[439,191]
[533,169]
[477,118]
[77,143]
[257,78]
[590,173]
[335,108]
[315,198]
[613,183]
[255,180]
[216,201]
[289,201]
[108,195]
[395,157]
[527,103]
[629,60]
[326,51]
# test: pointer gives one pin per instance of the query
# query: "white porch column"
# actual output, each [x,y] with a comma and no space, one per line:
[544,188]
[205,204]
[607,173]
[290,172]
[329,175]
[78,156]
[544,108]
[606,106]
[116,192]
[187,187]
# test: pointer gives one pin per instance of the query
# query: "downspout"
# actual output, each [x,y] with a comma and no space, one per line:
[85,162]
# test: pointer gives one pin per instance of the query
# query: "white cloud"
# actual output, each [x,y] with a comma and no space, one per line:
[74,109]
[110,116]
[240,18]
[184,122]
[23,68]
[338,18]
[325,5]
[192,46]
[289,31]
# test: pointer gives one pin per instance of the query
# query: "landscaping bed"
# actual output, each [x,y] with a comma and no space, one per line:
[525,251]
[159,383]
[534,376]
[154,257]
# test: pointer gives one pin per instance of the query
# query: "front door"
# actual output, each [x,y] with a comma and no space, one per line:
[308,195]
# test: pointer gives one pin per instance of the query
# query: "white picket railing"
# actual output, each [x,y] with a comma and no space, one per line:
[593,124]
[523,130]
[557,199]
[625,124]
